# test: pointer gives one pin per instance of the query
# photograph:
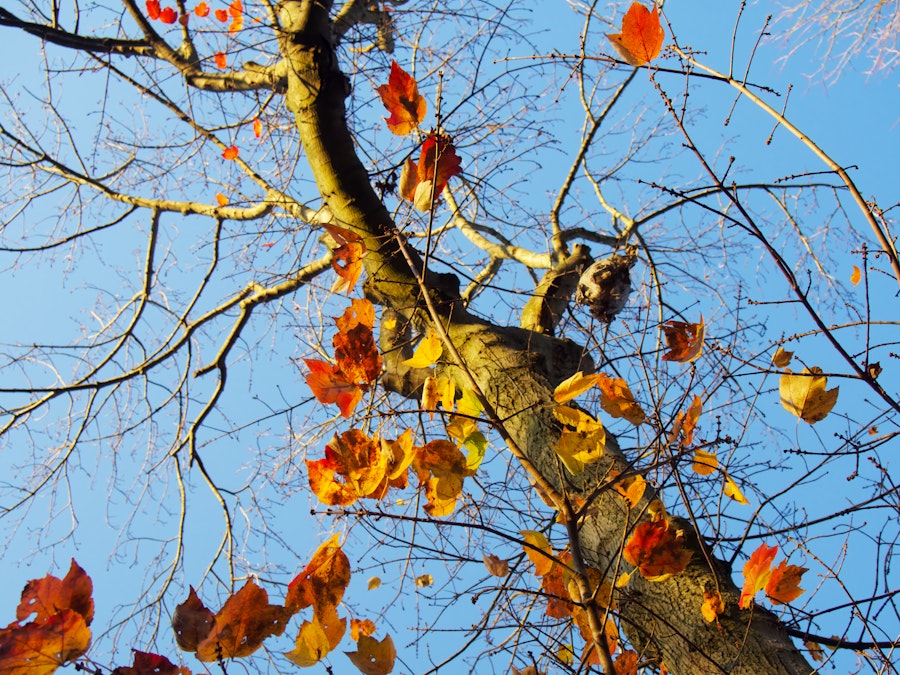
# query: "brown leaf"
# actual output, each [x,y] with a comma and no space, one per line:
[684,340]
[495,566]
[322,582]
[374,657]
[245,620]
[192,622]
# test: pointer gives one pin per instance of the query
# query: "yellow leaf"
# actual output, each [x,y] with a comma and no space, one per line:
[374,657]
[543,558]
[577,448]
[573,386]
[855,276]
[623,580]
[704,462]
[782,358]
[438,390]
[730,489]
[566,654]
[632,489]
[804,394]
[374,583]
[469,404]
[427,352]
[424,581]
[576,418]
[311,647]
[713,605]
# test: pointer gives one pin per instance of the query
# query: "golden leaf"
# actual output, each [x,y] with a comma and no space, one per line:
[804,394]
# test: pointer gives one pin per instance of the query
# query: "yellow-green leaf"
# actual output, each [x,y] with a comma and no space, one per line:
[427,352]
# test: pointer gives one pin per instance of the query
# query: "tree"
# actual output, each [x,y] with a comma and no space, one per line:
[621,518]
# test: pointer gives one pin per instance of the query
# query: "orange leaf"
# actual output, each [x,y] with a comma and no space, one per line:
[757,571]
[360,627]
[855,276]
[221,62]
[192,622]
[542,558]
[168,15]
[348,265]
[221,15]
[153,10]
[632,489]
[221,199]
[201,10]
[784,584]
[656,549]
[50,595]
[704,462]
[713,605]
[360,312]
[40,647]
[322,582]
[374,657]
[230,152]
[245,620]
[356,353]
[441,467]
[438,390]
[422,183]
[684,340]
[330,386]
[641,37]
[685,423]
[402,99]
[236,8]
[257,127]
[360,460]
[151,664]
[618,401]
[626,663]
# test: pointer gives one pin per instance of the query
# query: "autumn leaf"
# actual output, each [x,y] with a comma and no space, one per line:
[40,647]
[704,462]
[656,549]
[713,605]
[542,558]
[632,489]
[221,199]
[804,394]
[441,467]
[231,152]
[618,401]
[168,15]
[361,312]
[496,567]
[783,585]
[438,390]
[221,62]
[153,9]
[322,582]
[402,99]
[374,657]
[360,627]
[641,37]
[201,10]
[855,276]
[50,595]
[373,583]
[424,580]
[626,663]
[311,646]
[422,183]
[815,651]
[400,454]
[782,358]
[347,262]
[427,352]
[731,489]
[361,462]
[239,628]
[574,386]
[585,445]
[684,340]
[221,15]
[150,664]
[356,355]
[757,571]
[257,127]
[330,386]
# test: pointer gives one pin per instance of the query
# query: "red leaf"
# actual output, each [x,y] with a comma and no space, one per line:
[656,549]
[184,19]
[201,10]
[784,584]
[230,152]
[222,15]
[50,595]
[168,15]
[151,664]
[220,60]
[402,99]
[153,10]
[438,163]
[641,37]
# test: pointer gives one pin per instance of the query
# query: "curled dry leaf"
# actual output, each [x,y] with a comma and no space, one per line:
[684,340]
[50,595]
[782,358]
[731,489]
[402,99]
[805,396]
[361,627]
[424,580]
[495,566]
[422,183]
[642,35]
[855,276]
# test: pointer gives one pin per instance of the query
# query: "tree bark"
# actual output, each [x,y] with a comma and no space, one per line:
[517,370]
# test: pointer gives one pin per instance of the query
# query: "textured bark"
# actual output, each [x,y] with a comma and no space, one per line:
[517,370]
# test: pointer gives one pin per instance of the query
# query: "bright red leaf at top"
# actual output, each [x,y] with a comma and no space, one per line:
[245,620]
[201,10]
[641,37]
[168,15]
[153,10]
[422,183]
[221,62]
[230,152]
[221,15]
[151,664]
[257,127]
[402,99]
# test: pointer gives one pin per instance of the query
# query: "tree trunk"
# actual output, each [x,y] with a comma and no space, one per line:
[517,370]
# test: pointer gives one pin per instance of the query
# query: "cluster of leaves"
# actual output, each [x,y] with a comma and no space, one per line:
[168,15]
